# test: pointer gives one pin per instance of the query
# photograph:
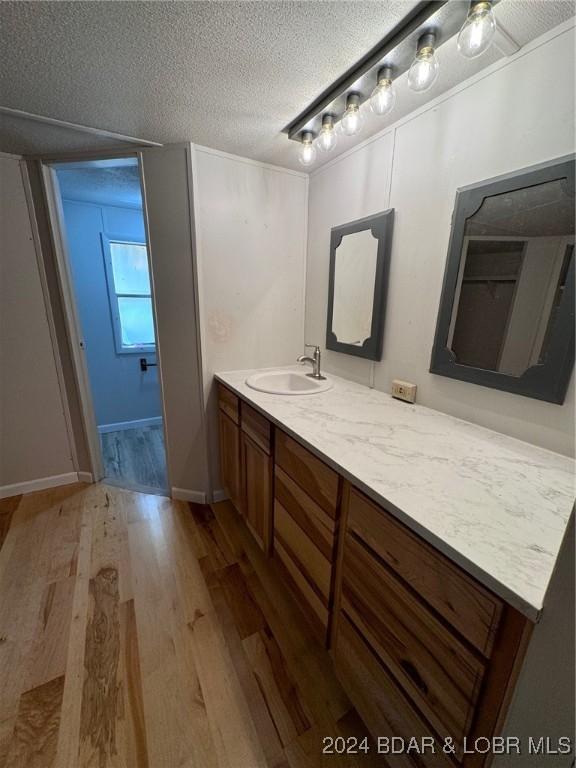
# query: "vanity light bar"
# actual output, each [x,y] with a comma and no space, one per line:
[409,46]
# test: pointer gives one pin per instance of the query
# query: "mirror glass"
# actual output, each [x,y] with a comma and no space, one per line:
[516,252]
[357,285]
[354,280]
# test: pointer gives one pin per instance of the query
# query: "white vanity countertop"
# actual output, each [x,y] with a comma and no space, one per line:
[497,506]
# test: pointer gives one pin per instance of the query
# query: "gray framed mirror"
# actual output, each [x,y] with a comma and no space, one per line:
[357,285]
[506,316]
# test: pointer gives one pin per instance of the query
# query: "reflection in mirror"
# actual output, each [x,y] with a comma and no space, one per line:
[357,285]
[354,279]
[517,249]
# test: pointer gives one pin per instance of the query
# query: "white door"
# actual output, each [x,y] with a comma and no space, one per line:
[167,194]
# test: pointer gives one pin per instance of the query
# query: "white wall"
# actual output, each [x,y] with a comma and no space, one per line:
[121,392]
[251,244]
[34,442]
[543,700]
[167,177]
[509,117]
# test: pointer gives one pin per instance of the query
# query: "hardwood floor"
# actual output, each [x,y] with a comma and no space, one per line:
[135,459]
[139,631]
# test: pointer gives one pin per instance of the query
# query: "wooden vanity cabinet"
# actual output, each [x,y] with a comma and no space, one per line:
[229,433]
[419,645]
[257,475]
[306,508]
[421,648]
[246,463]
[470,608]
[377,697]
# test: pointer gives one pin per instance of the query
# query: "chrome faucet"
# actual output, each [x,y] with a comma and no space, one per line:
[314,360]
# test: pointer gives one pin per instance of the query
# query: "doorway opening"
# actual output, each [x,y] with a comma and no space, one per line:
[104,246]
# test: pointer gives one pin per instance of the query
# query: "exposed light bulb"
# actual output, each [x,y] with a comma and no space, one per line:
[327,138]
[478,30]
[424,69]
[384,95]
[352,119]
[307,149]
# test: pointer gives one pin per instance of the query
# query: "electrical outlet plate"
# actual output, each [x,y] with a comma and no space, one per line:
[404,390]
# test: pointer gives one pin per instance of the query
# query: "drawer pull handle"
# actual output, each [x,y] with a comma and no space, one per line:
[413,673]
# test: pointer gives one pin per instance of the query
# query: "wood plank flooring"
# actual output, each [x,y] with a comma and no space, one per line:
[135,459]
[139,631]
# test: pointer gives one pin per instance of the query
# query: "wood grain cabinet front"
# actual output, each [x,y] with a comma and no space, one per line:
[230,468]
[470,608]
[438,672]
[257,469]
[423,650]
[380,702]
[420,647]
[246,463]
[257,427]
[306,493]
[229,403]
[257,472]
[316,478]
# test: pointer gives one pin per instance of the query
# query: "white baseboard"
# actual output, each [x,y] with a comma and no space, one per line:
[136,424]
[183,494]
[219,496]
[85,477]
[41,484]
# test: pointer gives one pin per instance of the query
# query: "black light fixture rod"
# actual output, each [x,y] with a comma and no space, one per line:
[412,21]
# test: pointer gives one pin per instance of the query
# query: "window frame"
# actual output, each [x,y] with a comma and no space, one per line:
[121,349]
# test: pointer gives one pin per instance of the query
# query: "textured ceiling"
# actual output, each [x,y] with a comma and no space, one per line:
[229,75]
[106,186]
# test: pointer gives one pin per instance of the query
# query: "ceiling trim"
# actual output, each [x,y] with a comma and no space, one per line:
[76,201]
[9,156]
[248,160]
[77,127]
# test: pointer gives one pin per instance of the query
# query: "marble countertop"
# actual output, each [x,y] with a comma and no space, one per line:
[497,506]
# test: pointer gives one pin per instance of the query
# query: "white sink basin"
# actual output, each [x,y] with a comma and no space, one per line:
[287,383]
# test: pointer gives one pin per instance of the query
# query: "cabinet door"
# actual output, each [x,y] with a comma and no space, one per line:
[230,458]
[257,477]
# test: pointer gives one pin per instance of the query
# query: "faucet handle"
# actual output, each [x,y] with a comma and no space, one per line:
[313,346]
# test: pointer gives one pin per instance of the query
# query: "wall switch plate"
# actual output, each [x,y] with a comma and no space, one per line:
[404,390]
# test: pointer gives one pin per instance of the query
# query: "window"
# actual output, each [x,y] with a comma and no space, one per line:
[130,297]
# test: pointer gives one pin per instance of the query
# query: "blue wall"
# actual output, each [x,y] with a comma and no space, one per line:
[120,391]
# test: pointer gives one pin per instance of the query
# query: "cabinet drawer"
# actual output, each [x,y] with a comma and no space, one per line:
[304,542]
[435,669]
[256,426]
[316,478]
[466,605]
[229,403]
[379,701]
